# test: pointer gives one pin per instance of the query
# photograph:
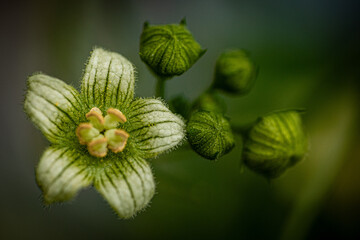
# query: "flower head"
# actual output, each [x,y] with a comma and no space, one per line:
[100,136]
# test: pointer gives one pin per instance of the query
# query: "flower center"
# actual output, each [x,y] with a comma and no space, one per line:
[101,133]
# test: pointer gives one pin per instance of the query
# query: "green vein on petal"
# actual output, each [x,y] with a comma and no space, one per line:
[53,106]
[153,127]
[127,185]
[108,80]
[61,174]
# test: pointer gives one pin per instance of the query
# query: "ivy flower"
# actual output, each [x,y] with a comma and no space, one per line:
[101,136]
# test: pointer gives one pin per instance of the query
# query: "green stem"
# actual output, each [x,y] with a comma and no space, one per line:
[160,87]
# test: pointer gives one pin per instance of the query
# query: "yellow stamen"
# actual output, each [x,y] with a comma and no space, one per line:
[97,147]
[96,118]
[95,109]
[117,139]
[85,132]
[91,134]
[117,114]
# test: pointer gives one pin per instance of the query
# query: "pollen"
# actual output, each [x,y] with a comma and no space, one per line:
[101,134]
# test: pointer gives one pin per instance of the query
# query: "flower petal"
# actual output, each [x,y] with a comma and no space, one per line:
[53,106]
[153,127]
[61,173]
[127,185]
[108,80]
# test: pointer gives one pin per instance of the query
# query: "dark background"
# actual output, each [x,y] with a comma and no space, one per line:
[308,53]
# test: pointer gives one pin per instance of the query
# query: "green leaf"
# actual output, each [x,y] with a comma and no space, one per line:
[275,142]
[53,106]
[153,127]
[127,185]
[108,80]
[169,49]
[209,134]
[61,173]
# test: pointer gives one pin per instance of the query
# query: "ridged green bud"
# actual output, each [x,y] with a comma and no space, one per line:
[235,72]
[209,101]
[209,134]
[275,143]
[169,49]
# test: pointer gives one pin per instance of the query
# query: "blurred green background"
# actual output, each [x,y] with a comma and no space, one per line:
[308,53]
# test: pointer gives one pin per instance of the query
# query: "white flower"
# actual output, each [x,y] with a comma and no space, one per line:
[87,148]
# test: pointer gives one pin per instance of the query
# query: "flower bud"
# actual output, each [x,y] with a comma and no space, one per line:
[275,143]
[210,101]
[169,49]
[235,72]
[209,134]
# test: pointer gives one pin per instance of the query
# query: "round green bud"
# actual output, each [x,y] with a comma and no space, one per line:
[209,134]
[210,101]
[275,143]
[235,72]
[169,50]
